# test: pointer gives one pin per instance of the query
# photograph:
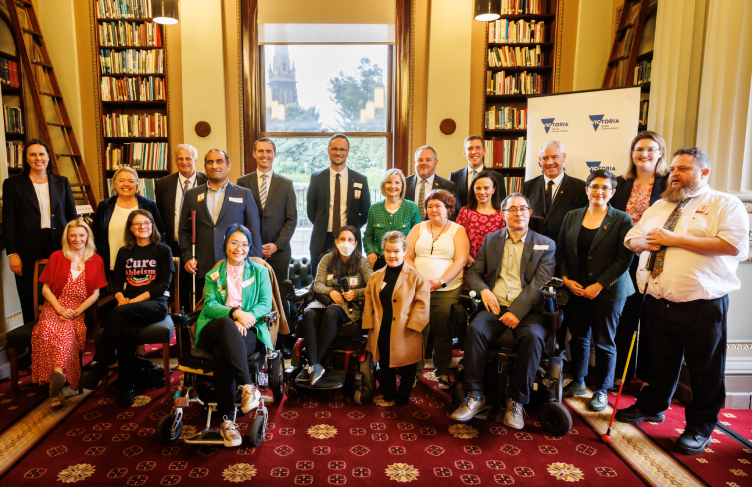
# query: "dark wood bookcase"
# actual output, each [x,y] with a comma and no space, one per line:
[14,96]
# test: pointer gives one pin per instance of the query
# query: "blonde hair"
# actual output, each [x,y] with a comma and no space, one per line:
[90,248]
[387,176]
[126,169]
[661,167]
[393,237]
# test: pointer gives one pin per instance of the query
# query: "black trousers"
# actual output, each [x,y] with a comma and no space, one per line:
[389,374]
[627,326]
[694,331]
[25,282]
[186,282]
[319,328]
[484,329]
[316,256]
[230,351]
[121,334]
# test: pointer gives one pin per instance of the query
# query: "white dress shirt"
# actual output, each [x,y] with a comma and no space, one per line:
[686,275]
[509,285]
[557,183]
[342,196]
[429,187]
[180,197]
[470,176]
[43,197]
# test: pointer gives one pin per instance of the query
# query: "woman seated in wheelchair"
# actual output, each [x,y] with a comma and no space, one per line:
[342,268]
[396,311]
[142,275]
[237,295]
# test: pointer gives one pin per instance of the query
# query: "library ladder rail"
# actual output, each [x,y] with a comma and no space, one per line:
[52,116]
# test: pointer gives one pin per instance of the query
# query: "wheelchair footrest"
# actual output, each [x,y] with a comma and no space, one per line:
[334,379]
[205,437]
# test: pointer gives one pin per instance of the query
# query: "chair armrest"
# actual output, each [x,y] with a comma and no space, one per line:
[289,293]
[270,318]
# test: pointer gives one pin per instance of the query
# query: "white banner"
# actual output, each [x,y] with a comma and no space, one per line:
[596,128]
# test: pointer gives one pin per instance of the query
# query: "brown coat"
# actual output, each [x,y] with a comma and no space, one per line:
[410,309]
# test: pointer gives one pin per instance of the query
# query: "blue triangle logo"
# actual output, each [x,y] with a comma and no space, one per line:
[595,119]
[548,122]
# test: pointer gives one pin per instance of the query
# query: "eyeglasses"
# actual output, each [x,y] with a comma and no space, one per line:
[650,150]
[514,209]
[595,188]
[141,225]
[332,149]
[234,245]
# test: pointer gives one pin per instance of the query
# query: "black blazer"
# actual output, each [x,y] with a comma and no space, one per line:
[210,237]
[318,205]
[101,224]
[571,196]
[411,183]
[280,217]
[459,178]
[537,265]
[624,191]
[22,219]
[608,258]
[165,191]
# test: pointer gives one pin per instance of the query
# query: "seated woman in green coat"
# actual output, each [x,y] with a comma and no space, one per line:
[237,295]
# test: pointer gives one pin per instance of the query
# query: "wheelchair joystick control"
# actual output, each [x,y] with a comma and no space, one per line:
[473,294]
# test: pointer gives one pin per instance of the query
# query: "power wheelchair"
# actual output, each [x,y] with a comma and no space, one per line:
[500,357]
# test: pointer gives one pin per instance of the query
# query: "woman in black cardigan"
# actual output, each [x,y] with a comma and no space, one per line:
[594,264]
[640,187]
[37,205]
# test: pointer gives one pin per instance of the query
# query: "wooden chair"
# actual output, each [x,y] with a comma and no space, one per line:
[20,338]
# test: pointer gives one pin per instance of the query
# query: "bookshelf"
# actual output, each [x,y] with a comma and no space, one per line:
[13,96]
[520,62]
[133,96]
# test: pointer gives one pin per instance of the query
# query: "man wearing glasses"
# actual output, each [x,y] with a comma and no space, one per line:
[337,196]
[512,265]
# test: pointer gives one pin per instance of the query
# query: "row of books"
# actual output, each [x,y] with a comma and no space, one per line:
[13,118]
[14,154]
[618,74]
[133,89]
[509,31]
[511,57]
[513,184]
[145,188]
[132,61]
[150,156]
[521,7]
[624,46]
[506,118]
[123,34]
[506,153]
[642,72]
[524,83]
[124,9]
[123,125]
[644,112]
[9,73]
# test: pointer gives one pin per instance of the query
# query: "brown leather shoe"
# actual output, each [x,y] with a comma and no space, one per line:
[515,415]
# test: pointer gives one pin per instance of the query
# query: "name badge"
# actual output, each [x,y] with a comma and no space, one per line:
[330,277]
[540,247]
[383,285]
[357,185]
[201,197]
[353,281]
[357,194]
[214,276]
[236,200]
[247,283]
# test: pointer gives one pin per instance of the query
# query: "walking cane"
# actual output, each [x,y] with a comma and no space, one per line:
[193,245]
[606,438]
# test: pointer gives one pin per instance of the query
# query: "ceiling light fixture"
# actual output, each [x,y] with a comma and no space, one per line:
[165,12]
[487,10]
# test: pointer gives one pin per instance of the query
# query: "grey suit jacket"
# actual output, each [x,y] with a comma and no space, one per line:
[280,215]
[536,267]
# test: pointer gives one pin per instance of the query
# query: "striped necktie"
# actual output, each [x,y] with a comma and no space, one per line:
[263,191]
[421,198]
[669,225]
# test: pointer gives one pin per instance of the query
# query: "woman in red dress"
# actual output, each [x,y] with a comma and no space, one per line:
[482,215]
[72,279]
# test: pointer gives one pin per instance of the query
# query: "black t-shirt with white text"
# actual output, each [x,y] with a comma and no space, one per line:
[140,269]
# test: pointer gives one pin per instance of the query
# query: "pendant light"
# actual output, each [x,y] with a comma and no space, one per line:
[487,10]
[165,11]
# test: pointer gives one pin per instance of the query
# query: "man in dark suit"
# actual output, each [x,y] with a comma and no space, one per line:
[462,178]
[169,193]
[512,266]
[325,210]
[275,200]
[425,180]
[554,194]
[218,204]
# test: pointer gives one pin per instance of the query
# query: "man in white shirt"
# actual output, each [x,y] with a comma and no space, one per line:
[699,236]
[425,180]
[475,153]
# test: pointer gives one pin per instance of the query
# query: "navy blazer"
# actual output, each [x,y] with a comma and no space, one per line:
[318,206]
[280,216]
[571,195]
[459,178]
[165,191]
[624,191]
[608,258]
[537,265]
[22,219]
[101,224]
[210,237]
[411,186]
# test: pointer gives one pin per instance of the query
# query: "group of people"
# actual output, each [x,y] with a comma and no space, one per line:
[426,242]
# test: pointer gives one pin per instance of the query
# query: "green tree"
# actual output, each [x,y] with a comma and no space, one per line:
[352,93]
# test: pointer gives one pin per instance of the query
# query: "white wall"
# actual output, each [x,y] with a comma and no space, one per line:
[593,44]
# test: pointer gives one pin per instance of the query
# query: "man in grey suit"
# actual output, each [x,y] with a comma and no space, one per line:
[512,266]
[218,204]
[425,179]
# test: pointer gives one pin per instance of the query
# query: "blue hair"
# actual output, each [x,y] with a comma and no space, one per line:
[237,227]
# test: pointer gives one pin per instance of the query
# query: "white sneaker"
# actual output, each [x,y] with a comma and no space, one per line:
[229,432]
[249,397]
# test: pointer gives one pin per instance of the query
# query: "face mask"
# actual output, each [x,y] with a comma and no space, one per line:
[345,248]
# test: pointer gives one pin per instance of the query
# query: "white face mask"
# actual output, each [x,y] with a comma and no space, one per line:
[345,248]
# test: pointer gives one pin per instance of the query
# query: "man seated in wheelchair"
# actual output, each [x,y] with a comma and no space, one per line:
[512,266]
[237,295]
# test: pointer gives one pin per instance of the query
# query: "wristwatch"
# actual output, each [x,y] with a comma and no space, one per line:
[443,284]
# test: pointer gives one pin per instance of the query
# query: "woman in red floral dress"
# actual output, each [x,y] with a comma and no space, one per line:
[72,279]
[482,215]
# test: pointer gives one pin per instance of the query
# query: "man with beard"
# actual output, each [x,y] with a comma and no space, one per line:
[699,237]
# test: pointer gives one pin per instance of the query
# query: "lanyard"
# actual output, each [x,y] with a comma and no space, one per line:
[193,185]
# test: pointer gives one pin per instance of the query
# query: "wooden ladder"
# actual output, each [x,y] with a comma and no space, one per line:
[52,116]
[622,60]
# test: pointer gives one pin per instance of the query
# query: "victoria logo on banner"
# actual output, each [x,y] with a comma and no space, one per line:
[604,123]
[548,124]
[595,165]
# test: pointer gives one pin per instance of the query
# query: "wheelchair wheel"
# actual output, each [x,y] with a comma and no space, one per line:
[555,418]
[369,374]
[164,429]
[257,430]
[276,377]
[291,391]
[362,396]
